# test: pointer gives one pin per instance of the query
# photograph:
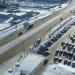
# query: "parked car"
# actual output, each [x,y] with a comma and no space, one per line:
[42,49]
[49,43]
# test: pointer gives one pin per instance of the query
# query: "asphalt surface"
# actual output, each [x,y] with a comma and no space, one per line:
[12,61]
[6,33]
[24,41]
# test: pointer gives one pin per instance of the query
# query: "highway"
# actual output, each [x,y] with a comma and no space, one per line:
[52,49]
[27,39]
[5,38]
[9,31]
[26,36]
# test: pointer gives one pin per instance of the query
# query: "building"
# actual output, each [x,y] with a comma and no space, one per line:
[29,66]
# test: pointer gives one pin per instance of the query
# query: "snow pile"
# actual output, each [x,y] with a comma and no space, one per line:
[20,13]
[59,69]
[4,13]
[40,16]
[4,25]
[32,9]
[47,13]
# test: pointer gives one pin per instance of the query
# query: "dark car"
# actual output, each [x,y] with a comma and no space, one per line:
[62,43]
[20,33]
[56,52]
[49,43]
[42,49]
[46,53]
[54,39]
[45,61]
[29,26]
[74,50]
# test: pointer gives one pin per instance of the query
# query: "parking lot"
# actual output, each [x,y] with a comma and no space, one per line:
[52,49]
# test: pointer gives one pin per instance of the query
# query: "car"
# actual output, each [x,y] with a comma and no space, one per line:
[29,26]
[49,43]
[62,31]
[20,33]
[64,47]
[45,61]
[42,49]
[69,62]
[59,60]
[46,53]
[56,52]
[69,48]
[73,49]
[55,60]
[65,29]
[54,39]
[65,61]
[62,43]
[73,64]
[70,55]
[60,52]
[64,53]
[74,56]
[58,36]
[36,44]
[67,54]
[73,40]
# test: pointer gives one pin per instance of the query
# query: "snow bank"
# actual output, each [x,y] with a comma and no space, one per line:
[4,25]
[20,13]
[4,13]
[47,13]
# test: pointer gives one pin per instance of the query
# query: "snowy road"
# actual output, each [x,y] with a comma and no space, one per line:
[13,61]
[25,36]
[24,41]
[11,30]
[18,40]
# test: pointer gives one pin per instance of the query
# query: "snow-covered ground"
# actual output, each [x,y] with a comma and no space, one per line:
[4,13]
[44,14]
[59,69]
[7,21]
[32,9]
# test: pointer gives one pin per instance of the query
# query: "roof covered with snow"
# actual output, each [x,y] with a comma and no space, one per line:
[31,62]
[28,65]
